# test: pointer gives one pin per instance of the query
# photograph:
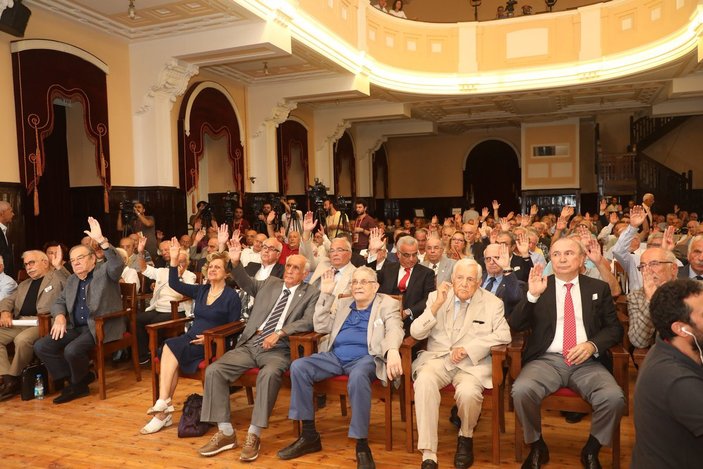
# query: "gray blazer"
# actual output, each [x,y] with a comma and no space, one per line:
[51,285]
[103,296]
[266,292]
[444,270]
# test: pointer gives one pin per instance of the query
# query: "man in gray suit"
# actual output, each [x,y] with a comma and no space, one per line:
[435,259]
[282,307]
[34,295]
[92,291]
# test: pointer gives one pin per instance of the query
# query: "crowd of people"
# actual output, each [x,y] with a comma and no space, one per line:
[466,283]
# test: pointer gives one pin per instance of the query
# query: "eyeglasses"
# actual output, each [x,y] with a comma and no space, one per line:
[30,263]
[338,251]
[652,265]
[362,282]
[79,258]
[460,279]
[492,258]
[269,248]
[408,255]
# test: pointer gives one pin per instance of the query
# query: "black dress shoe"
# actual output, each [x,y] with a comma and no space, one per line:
[573,417]
[590,461]
[364,460]
[72,392]
[428,464]
[9,390]
[300,447]
[464,456]
[454,417]
[539,455]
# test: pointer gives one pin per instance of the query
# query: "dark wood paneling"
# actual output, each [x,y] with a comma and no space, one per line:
[405,208]
[166,204]
[551,201]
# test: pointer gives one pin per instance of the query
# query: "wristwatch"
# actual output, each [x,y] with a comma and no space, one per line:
[280,333]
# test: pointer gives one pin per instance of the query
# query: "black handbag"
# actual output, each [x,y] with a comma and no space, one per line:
[29,379]
[190,425]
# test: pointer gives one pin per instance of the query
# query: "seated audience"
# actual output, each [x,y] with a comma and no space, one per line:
[129,275]
[92,290]
[381,5]
[461,322]
[397,9]
[269,266]
[499,279]
[7,283]
[252,253]
[365,333]
[669,389]
[214,304]
[435,259]
[53,249]
[282,307]
[33,296]
[694,269]
[458,248]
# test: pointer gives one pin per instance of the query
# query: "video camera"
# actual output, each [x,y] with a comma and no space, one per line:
[317,193]
[230,201]
[128,215]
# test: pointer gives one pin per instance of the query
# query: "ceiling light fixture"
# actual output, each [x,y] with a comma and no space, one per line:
[131,10]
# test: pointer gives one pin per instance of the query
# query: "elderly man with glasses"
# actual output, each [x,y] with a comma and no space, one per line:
[269,266]
[461,323]
[93,290]
[365,333]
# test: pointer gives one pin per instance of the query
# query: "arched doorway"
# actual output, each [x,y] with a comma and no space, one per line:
[292,140]
[345,167]
[492,173]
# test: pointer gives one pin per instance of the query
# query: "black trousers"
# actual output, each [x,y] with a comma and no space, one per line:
[69,356]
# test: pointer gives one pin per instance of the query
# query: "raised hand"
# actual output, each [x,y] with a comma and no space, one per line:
[95,233]
[271,217]
[222,234]
[173,250]
[637,216]
[613,218]
[648,283]
[523,244]
[442,293]
[56,261]
[199,235]
[536,282]
[375,239]
[496,205]
[668,240]
[141,244]
[327,282]
[504,225]
[197,225]
[235,248]
[308,222]
[524,220]
[593,250]
[510,216]
[484,213]
[503,257]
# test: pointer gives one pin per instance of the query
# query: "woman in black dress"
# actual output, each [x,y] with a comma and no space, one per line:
[214,304]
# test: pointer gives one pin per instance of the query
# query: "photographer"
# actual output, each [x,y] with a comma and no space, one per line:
[260,223]
[336,224]
[131,219]
[291,220]
[204,216]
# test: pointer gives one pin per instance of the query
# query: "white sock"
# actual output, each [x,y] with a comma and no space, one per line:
[255,430]
[226,428]
[162,404]
[427,454]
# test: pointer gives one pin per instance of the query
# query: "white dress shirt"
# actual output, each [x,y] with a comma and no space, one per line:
[282,319]
[558,342]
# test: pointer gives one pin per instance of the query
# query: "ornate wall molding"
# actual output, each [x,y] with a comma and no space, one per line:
[172,82]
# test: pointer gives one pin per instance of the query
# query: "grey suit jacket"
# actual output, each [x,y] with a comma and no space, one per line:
[343,285]
[444,269]
[483,326]
[50,288]
[103,296]
[266,292]
[385,330]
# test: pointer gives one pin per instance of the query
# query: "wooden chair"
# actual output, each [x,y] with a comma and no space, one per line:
[493,399]
[22,275]
[306,344]
[564,399]
[215,343]
[104,349]
[621,275]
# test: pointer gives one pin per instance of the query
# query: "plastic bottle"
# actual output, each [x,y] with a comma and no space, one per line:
[39,388]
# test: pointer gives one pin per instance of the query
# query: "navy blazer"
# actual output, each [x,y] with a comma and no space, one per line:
[511,291]
[599,318]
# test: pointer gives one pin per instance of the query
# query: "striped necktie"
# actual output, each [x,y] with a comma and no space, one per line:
[275,315]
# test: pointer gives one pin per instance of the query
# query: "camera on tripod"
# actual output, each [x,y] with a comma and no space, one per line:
[230,201]
[128,215]
[317,193]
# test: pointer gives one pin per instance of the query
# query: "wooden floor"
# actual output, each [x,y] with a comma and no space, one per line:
[105,434]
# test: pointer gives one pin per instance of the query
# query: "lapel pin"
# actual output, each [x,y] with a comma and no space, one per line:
[595,296]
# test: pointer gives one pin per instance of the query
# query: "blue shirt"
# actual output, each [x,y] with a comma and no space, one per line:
[350,344]
[80,307]
[7,285]
[496,282]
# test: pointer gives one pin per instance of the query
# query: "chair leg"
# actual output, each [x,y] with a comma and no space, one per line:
[616,447]
[409,431]
[154,381]
[518,439]
[100,371]
[250,396]
[343,404]
[401,399]
[389,417]
[501,410]
[135,362]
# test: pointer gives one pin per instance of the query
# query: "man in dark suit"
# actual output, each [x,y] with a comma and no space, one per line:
[518,250]
[34,295]
[573,321]
[694,269]
[269,266]
[6,216]
[406,277]
[93,290]
[282,307]
[499,279]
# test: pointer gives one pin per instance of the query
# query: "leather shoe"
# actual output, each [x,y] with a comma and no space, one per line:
[539,454]
[300,447]
[454,417]
[428,464]
[590,461]
[464,456]
[72,392]
[364,460]
[9,389]
[573,417]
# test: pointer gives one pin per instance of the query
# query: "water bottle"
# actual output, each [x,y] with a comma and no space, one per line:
[39,388]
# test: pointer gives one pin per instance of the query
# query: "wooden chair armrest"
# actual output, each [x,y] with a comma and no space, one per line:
[304,344]
[514,355]
[113,315]
[153,331]
[175,304]
[499,354]
[44,323]
[217,336]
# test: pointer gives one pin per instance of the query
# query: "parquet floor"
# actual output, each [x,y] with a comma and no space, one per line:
[89,433]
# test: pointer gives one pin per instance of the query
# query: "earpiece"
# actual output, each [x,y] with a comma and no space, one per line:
[686,331]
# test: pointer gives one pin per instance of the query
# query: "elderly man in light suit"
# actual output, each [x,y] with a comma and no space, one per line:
[34,295]
[365,333]
[461,322]
[282,307]
[93,290]
[435,259]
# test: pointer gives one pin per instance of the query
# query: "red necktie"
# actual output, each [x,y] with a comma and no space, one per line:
[403,284]
[569,323]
